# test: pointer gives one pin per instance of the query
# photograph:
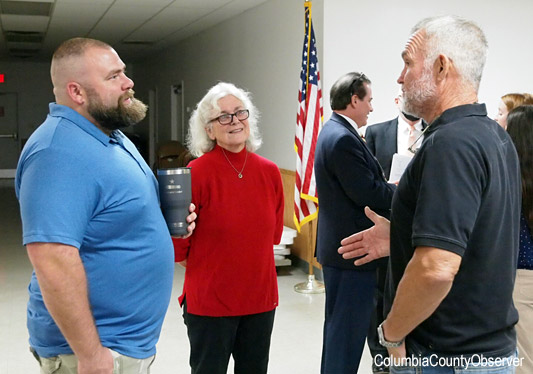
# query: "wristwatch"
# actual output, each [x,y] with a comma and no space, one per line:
[385,343]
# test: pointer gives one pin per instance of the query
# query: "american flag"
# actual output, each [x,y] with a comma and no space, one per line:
[308,124]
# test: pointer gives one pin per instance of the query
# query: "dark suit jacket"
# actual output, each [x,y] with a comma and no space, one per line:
[348,178]
[381,139]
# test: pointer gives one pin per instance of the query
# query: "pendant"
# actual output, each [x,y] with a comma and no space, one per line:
[240,175]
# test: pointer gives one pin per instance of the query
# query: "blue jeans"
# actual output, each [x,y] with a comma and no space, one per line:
[506,365]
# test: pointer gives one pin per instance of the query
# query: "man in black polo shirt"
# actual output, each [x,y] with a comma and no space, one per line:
[455,217]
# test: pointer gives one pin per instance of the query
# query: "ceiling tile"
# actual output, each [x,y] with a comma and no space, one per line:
[12,22]
[129,3]
[32,8]
[84,2]
[34,1]
[113,21]
[165,24]
[201,4]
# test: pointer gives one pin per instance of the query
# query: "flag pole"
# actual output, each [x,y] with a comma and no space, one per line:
[312,286]
[309,121]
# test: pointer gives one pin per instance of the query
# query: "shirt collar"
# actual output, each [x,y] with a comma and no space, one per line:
[351,122]
[404,126]
[58,110]
[456,113]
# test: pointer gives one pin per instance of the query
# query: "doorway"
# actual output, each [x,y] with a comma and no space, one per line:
[177,112]
[9,130]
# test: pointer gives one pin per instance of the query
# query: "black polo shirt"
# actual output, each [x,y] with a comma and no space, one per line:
[461,193]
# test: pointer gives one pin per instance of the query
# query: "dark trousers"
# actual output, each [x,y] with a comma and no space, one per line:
[349,307]
[214,339]
[377,315]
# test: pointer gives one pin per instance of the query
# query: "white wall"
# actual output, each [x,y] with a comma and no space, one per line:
[373,33]
[259,50]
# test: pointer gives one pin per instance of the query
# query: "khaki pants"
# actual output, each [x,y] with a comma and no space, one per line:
[68,364]
[523,301]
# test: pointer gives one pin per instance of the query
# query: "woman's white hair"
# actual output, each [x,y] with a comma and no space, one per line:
[198,141]
[460,40]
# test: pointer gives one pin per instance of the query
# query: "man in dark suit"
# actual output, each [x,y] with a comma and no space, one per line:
[348,178]
[395,136]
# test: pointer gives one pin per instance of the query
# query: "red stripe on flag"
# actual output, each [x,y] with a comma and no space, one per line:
[308,124]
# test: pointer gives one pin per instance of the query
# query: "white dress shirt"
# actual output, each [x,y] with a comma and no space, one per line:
[404,140]
[352,122]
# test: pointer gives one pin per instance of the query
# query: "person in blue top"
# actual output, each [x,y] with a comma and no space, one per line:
[520,129]
[102,254]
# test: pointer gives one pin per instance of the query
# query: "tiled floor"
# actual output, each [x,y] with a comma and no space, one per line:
[296,340]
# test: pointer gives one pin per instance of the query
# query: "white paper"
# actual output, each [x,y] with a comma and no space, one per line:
[399,164]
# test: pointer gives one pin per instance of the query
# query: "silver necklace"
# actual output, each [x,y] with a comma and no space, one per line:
[239,173]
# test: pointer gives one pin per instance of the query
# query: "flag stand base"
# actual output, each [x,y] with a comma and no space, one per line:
[311,286]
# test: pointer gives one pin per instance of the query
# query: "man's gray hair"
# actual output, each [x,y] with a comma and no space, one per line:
[460,40]
[198,141]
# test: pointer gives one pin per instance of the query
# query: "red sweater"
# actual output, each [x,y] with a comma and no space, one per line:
[230,259]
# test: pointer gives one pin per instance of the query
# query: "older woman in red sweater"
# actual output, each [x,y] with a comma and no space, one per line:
[230,292]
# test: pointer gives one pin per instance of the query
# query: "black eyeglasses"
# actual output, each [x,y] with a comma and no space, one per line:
[412,148]
[227,118]
[357,83]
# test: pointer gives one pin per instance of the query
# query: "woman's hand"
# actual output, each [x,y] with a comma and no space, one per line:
[191,218]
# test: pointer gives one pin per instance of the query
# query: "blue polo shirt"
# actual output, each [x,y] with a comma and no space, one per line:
[80,187]
[525,256]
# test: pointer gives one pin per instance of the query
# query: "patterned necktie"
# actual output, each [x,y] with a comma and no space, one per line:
[411,139]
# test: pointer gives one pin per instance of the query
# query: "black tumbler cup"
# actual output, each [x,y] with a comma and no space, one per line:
[175,195]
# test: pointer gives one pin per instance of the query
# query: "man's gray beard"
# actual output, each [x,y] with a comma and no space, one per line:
[420,95]
[120,116]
